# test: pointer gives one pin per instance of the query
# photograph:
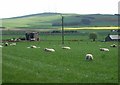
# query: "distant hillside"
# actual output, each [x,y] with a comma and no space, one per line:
[53,20]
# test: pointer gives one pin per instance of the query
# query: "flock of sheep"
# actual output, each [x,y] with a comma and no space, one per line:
[88,56]
[49,49]
[7,44]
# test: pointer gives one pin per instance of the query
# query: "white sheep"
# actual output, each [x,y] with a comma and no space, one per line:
[13,44]
[66,48]
[89,57]
[1,46]
[33,46]
[104,49]
[49,50]
[113,45]
[12,39]
[6,44]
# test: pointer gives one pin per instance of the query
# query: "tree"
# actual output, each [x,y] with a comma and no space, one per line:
[93,36]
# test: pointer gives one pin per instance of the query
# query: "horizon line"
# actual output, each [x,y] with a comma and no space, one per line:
[55,13]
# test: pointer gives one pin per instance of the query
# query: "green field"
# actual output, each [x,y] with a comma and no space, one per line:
[53,20]
[26,65]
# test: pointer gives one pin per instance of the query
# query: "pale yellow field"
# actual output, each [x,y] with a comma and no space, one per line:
[107,28]
[80,28]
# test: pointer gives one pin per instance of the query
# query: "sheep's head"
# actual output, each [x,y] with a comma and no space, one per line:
[89,57]
[114,45]
[45,49]
[6,44]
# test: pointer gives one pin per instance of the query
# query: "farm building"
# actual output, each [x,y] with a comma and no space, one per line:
[32,36]
[112,38]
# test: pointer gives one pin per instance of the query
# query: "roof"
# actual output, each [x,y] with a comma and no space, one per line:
[114,37]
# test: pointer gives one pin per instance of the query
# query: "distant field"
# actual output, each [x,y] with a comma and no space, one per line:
[65,28]
[93,28]
[53,20]
[82,34]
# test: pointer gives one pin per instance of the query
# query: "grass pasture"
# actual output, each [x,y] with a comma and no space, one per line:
[25,65]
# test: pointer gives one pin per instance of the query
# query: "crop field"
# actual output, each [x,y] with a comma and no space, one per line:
[27,65]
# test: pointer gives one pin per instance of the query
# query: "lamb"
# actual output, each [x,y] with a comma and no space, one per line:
[13,44]
[33,46]
[1,46]
[104,49]
[113,45]
[89,57]
[12,39]
[6,44]
[49,50]
[66,48]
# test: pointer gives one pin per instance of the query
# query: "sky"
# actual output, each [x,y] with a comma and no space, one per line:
[13,8]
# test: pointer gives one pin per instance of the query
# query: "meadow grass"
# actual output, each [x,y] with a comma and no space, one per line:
[24,65]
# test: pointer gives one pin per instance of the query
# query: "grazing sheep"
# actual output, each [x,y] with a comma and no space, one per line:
[113,45]
[6,44]
[15,39]
[49,50]
[66,48]
[13,44]
[104,49]
[33,46]
[1,46]
[89,57]
[18,39]
[12,39]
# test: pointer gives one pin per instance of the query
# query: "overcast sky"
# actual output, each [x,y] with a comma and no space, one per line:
[12,8]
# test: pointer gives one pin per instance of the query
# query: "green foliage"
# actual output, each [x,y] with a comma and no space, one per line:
[93,36]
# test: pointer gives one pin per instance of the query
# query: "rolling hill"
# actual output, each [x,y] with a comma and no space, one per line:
[53,20]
